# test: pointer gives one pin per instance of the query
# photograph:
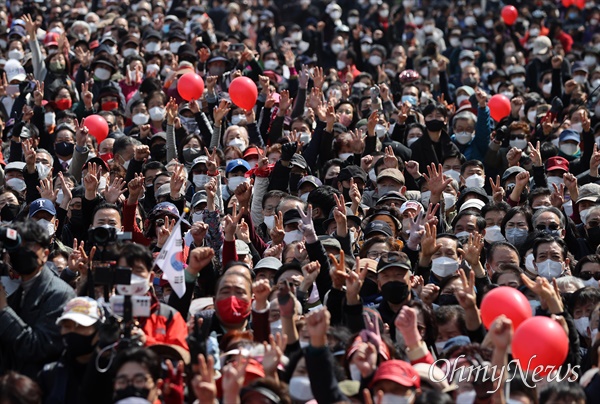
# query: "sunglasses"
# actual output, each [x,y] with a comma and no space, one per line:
[160,222]
[587,275]
[551,226]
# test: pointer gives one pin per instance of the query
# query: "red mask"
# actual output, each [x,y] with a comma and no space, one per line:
[63,104]
[109,105]
[106,156]
[233,310]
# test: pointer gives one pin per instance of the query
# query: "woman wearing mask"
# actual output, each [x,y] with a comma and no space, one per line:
[236,136]
[347,114]
[56,77]
[133,70]
[516,225]
[139,115]
[155,103]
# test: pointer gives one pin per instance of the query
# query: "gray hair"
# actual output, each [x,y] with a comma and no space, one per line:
[565,281]
[556,211]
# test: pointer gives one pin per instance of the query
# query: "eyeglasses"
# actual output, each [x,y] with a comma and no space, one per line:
[587,275]
[551,226]
[375,254]
[160,222]
[138,380]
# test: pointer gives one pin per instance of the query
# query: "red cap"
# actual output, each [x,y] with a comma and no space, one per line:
[398,372]
[557,163]
[251,151]
[51,39]
[94,44]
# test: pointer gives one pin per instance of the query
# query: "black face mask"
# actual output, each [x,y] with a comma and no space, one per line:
[190,154]
[365,113]
[9,212]
[346,193]
[395,292]
[78,345]
[130,391]
[470,81]
[76,219]
[158,152]
[24,261]
[593,236]
[369,288]
[329,181]
[435,125]
[447,300]
[294,180]
[64,149]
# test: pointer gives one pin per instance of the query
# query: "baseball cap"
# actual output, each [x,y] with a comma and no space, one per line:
[352,171]
[198,198]
[541,45]
[268,263]
[589,192]
[466,54]
[251,151]
[330,242]
[510,171]
[392,173]
[557,163]
[199,160]
[299,161]
[472,203]
[466,89]
[391,196]
[569,134]
[378,226]
[409,205]
[14,71]
[14,166]
[241,248]
[42,204]
[311,179]
[397,371]
[165,208]
[98,162]
[84,311]
[393,259]
[235,164]
[368,263]
[170,351]
[291,216]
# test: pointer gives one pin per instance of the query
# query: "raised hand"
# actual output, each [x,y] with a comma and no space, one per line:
[233,375]
[547,293]
[200,258]
[243,193]
[358,144]
[285,102]
[242,232]
[412,167]
[595,161]
[306,226]
[310,272]
[261,290]
[429,293]
[372,122]
[429,245]
[29,153]
[172,387]
[472,250]
[171,109]
[86,95]
[46,190]
[221,111]
[406,323]
[571,185]
[115,190]
[535,154]
[165,231]
[466,296]
[277,233]
[436,181]
[318,77]
[317,324]
[501,332]
[136,188]
[354,281]
[557,199]
[91,179]
[498,192]
[38,94]
[177,180]
[389,159]
[514,156]
[339,214]
[273,353]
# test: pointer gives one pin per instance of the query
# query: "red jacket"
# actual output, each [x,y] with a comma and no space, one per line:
[164,326]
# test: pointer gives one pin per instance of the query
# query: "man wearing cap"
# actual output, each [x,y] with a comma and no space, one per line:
[44,213]
[351,173]
[568,146]
[398,381]
[29,336]
[64,381]
[540,62]
[306,185]
[235,172]
[388,180]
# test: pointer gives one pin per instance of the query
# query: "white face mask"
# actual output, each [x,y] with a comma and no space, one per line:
[590,60]
[455,175]
[355,372]
[300,388]
[529,259]
[532,116]
[410,141]
[49,226]
[269,222]
[550,269]
[340,64]
[439,346]
[17,184]
[454,42]
[419,20]
[59,197]
[276,327]
[594,332]
[234,182]
[157,113]
[197,217]
[236,119]
[380,130]
[547,88]
[493,234]
[584,215]
[140,119]
[463,138]
[449,200]
[579,79]
[16,54]
[237,142]
[271,64]
[174,46]
[337,48]
[465,63]
[291,236]
[425,197]
[200,180]
[507,94]
[130,52]
[152,47]
[475,181]
[444,266]
[344,156]
[152,68]
[577,127]
[568,208]
[582,324]
[554,180]
[102,74]
[461,98]
[304,196]
[462,234]
[49,118]
[375,60]
[304,138]
[139,286]
[518,143]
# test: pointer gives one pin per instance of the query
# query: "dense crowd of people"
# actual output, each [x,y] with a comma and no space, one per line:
[331,244]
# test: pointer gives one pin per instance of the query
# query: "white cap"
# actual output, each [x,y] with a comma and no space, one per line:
[84,311]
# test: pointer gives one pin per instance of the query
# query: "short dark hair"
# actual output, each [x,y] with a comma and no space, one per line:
[133,252]
[512,212]
[105,205]
[480,221]
[546,239]
[322,197]
[494,246]
[272,194]
[584,296]
[507,269]
[153,165]
[562,392]
[435,106]
[18,388]
[470,163]
[451,237]
[592,258]
[495,207]
[142,356]
[534,193]
[31,231]
[445,314]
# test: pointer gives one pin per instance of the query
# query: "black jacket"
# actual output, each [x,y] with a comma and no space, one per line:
[423,150]
[29,336]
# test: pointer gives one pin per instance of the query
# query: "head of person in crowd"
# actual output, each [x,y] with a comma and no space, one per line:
[30,257]
[80,323]
[233,297]
[137,375]
[394,278]
[550,257]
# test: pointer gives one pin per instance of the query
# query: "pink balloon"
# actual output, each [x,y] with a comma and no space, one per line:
[499,107]
[190,86]
[243,92]
[540,341]
[97,126]
[505,300]
[509,14]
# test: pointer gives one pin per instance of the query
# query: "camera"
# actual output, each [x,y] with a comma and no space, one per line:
[502,133]
[9,238]
[105,235]
[109,274]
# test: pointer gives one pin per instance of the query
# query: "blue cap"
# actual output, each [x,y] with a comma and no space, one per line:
[164,208]
[42,204]
[569,134]
[234,164]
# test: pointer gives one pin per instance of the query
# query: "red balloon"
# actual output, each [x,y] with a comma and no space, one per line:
[505,300]
[190,86]
[499,107]
[540,341]
[243,93]
[580,4]
[97,126]
[509,14]
[567,3]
